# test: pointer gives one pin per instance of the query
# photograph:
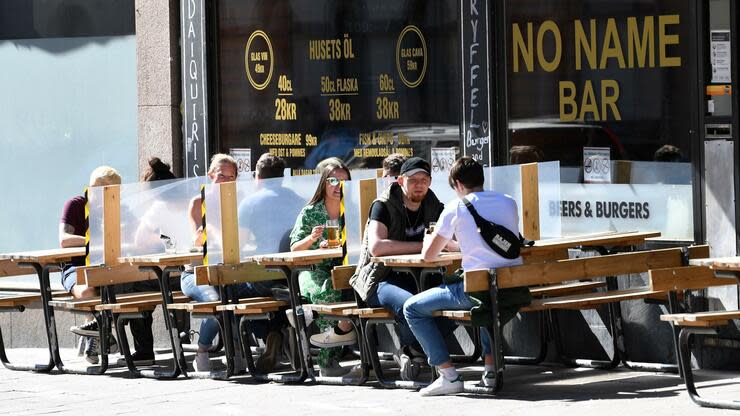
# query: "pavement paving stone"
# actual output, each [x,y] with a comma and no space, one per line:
[527,390]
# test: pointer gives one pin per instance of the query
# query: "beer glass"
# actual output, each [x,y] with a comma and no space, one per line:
[332,233]
[432,226]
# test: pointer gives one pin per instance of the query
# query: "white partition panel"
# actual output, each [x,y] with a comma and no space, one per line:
[548,176]
[95,221]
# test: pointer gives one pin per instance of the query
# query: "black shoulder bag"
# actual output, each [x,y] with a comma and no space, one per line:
[501,240]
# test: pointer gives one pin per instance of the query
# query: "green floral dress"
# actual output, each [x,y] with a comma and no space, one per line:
[316,284]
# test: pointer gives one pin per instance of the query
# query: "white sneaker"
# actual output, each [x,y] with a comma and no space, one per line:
[488,379]
[307,315]
[442,386]
[329,339]
[408,364]
[202,362]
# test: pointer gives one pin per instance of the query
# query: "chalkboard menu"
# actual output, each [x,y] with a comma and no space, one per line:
[358,80]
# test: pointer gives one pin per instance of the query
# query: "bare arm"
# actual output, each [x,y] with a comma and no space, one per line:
[308,241]
[380,245]
[433,245]
[196,221]
[67,238]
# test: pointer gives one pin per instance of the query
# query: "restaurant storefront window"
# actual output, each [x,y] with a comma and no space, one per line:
[601,86]
[355,80]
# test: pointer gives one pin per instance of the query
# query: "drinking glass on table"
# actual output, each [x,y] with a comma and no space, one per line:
[332,233]
[430,228]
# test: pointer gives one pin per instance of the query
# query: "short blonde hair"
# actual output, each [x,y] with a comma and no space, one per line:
[220,158]
[104,176]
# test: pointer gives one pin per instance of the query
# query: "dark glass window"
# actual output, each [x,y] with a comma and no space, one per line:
[312,94]
[632,92]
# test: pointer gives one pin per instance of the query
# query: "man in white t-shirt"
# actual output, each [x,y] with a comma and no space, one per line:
[466,178]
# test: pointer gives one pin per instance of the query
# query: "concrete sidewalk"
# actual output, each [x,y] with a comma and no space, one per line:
[527,390]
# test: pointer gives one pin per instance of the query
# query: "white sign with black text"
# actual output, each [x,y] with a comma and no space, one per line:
[596,165]
[721,56]
[442,159]
[243,159]
[589,208]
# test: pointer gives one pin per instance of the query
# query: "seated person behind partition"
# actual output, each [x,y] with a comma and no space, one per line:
[151,232]
[72,226]
[466,178]
[273,206]
[222,169]
[392,165]
[316,285]
[147,241]
[396,225]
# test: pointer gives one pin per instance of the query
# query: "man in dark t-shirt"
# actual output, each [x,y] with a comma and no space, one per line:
[398,219]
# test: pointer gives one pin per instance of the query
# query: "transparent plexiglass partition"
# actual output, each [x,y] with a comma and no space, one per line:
[267,210]
[548,177]
[155,216]
[95,221]
[653,196]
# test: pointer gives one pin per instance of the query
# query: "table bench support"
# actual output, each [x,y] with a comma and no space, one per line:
[688,376]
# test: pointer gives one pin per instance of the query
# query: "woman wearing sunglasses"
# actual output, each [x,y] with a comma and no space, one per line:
[309,234]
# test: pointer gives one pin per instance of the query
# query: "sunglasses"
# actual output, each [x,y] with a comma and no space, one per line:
[333,181]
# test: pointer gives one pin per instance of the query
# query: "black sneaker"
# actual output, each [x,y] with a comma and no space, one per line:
[88,329]
[274,343]
[140,359]
[92,349]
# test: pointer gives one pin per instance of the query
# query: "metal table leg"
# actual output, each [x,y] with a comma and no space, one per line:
[53,345]
[688,376]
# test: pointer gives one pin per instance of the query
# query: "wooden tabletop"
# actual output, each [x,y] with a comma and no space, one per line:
[415,260]
[298,258]
[163,259]
[54,255]
[607,239]
[729,264]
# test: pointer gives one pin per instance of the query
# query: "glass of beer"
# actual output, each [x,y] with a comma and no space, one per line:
[332,233]
[432,226]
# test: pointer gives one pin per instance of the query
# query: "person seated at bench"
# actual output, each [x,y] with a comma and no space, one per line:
[254,231]
[466,178]
[223,168]
[316,285]
[72,226]
[392,165]
[396,225]
[147,239]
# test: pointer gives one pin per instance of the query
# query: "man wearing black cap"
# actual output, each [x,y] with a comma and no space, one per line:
[396,225]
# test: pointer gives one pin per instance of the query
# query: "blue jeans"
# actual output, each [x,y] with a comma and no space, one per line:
[392,293]
[419,309]
[205,293]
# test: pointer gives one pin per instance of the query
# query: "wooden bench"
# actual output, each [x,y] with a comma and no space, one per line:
[21,299]
[705,272]
[659,263]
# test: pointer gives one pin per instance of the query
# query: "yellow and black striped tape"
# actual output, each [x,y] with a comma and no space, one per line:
[203,223]
[87,228]
[343,229]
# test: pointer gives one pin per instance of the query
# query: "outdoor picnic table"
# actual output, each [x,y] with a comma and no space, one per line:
[543,251]
[42,261]
[706,324]
[722,265]
[292,263]
[163,264]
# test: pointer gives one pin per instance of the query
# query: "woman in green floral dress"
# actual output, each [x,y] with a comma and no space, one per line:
[308,234]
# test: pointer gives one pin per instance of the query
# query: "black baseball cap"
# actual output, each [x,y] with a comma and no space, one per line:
[415,165]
